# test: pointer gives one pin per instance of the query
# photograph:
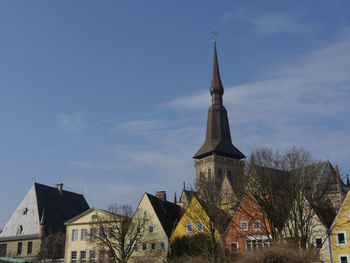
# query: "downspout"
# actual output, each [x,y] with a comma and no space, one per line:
[330,247]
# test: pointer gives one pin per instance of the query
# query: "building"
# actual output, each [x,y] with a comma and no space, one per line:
[249,229]
[161,218]
[41,213]
[314,231]
[82,234]
[218,160]
[201,218]
[340,233]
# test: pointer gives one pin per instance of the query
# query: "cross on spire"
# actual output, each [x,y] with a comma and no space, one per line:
[214,35]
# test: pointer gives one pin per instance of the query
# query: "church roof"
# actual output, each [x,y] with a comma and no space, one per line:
[218,135]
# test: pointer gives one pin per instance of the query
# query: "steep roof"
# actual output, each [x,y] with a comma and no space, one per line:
[57,207]
[218,136]
[168,213]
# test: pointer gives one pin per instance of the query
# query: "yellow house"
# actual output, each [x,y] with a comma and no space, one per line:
[81,232]
[340,233]
[196,220]
[159,220]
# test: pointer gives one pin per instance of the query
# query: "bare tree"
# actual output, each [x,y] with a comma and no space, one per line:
[117,233]
[282,183]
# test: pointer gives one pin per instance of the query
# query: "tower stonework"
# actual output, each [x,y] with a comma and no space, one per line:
[218,157]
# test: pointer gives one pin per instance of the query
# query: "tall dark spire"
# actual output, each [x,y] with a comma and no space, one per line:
[218,138]
[216,88]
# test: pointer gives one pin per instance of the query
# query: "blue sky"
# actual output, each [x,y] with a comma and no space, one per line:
[111,97]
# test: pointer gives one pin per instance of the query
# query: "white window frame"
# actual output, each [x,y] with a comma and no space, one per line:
[82,252]
[187,225]
[321,243]
[200,227]
[242,227]
[254,228]
[75,234]
[343,255]
[83,234]
[71,256]
[232,252]
[345,238]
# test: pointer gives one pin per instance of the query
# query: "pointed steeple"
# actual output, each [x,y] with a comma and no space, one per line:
[216,88]
[218,137]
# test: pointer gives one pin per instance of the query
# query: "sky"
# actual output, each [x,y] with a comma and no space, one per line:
[110,97]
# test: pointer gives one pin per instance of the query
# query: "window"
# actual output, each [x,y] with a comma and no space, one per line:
[234,247]
[74,234]
[112,232]
[138,229]
[103,233]
[19,248]
[93,232]
[343,259]
[150,229]
[3,248]
[244,225]
[101,256]
[30,247]
[94,217]
[341,238]
[153,246]
[318,243]
[82,256]
[256,225]
[136,247]
[19,230]
[144,246]
[162,246]
[73,256]
[144,213]
[256,242]
[200,227]
[209,174]
[83,234]
[25,211]
[92,255]
[189,228]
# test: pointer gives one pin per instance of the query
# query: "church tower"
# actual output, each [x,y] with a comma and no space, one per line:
[218,157]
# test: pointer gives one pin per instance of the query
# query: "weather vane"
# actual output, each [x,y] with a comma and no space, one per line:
[214,35]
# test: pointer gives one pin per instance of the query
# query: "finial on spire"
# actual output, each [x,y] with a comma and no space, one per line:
[214,35]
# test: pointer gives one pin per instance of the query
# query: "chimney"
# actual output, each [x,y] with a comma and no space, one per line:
[59,188]
[161,195]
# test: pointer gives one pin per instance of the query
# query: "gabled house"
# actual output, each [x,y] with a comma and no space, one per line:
[340,233]
[249,228]
[42,212]
[310,227]
[201,218]
[82,233]
[161,218]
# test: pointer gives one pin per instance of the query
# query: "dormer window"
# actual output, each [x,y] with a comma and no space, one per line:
[25,211]
[19,230]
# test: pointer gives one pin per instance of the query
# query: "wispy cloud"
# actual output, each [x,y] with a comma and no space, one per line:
[303,104]
[270,23]
[72,122]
